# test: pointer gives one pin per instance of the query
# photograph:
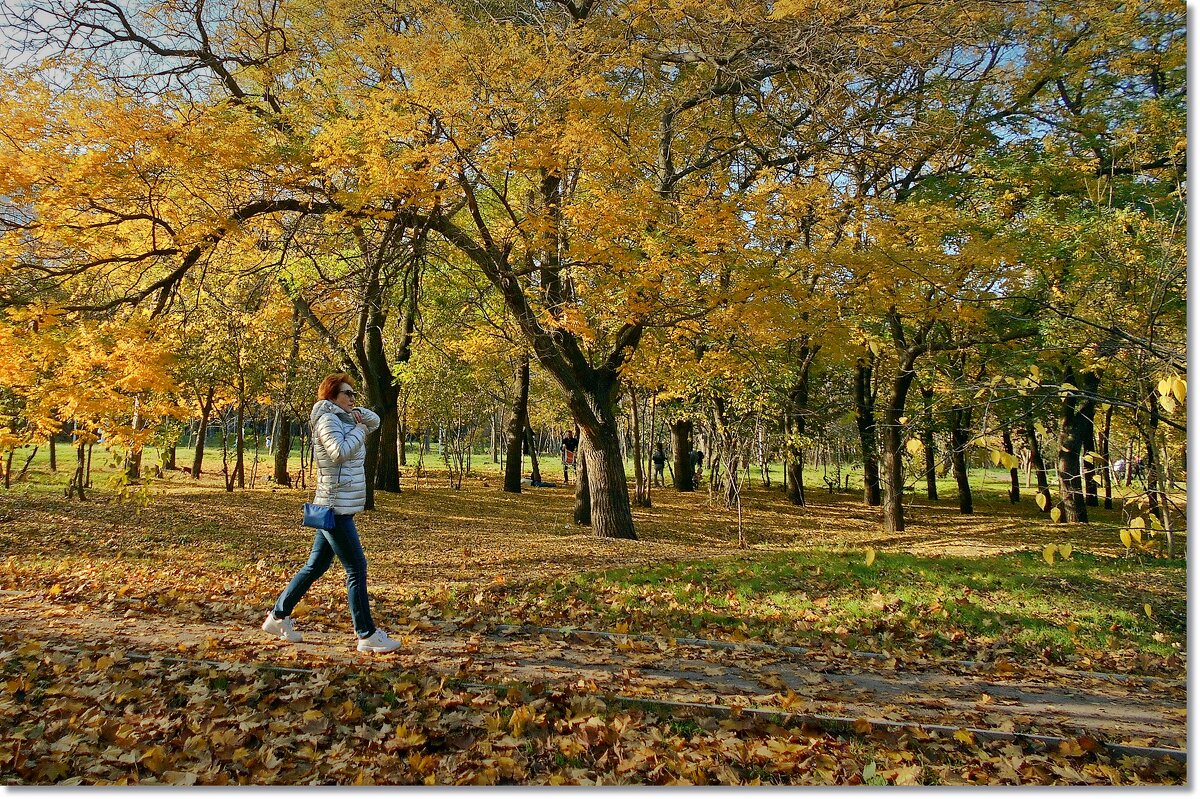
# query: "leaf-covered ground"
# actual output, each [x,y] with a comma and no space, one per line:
[448,569]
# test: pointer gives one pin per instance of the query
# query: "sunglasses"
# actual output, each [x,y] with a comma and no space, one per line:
[349,391]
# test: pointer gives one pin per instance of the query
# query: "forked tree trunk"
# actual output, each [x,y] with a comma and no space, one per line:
[590,391]
[78,478]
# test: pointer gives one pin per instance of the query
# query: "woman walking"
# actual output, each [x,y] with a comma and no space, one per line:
[339,434]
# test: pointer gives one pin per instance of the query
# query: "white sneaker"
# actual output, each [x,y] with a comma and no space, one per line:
[378,641]
[282,628]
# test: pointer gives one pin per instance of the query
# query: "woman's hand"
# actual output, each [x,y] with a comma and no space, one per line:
[358,417]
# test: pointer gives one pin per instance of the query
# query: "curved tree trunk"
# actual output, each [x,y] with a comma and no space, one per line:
[589,387]
[202,432]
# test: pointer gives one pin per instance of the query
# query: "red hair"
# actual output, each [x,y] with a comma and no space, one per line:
[332,384]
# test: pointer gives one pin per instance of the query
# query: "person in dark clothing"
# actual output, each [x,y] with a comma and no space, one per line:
[698,460]
[570,443]
[659,459]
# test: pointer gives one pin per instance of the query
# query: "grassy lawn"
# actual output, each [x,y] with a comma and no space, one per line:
[1080,611]
[948,586]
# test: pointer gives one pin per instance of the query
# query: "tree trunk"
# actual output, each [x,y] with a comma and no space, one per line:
[681,443]
[518,420]
[387,462]
[1106,467]
[611,514]
[590,391]
[78,479]
[583,499]
[1087,466]
[202,434]
[535,471]
[53,456]
[1155,496]
[930,445]
[133,459]
[1038,465]
[1014,490]
[796,418]
[281,438]
[893,449]
[1071,440]
[960,423]
[864,416]
[282,434]
[640,481]
[240,456]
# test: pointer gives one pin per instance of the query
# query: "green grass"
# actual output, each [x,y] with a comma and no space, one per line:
[943,606]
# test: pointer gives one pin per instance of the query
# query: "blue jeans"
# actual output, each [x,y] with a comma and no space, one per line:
[342,541]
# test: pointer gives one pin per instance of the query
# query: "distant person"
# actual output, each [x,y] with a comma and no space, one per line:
[659,459]
[340,430]
[698,463]
[570,444]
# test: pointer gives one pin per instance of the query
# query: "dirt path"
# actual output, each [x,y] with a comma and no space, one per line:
[1001,698]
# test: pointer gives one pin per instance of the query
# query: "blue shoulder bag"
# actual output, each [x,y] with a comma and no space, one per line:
[320,516]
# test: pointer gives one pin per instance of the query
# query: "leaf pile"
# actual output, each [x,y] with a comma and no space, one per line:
[105,717]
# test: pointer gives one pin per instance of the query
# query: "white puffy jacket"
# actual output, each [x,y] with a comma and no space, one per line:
[339,445]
